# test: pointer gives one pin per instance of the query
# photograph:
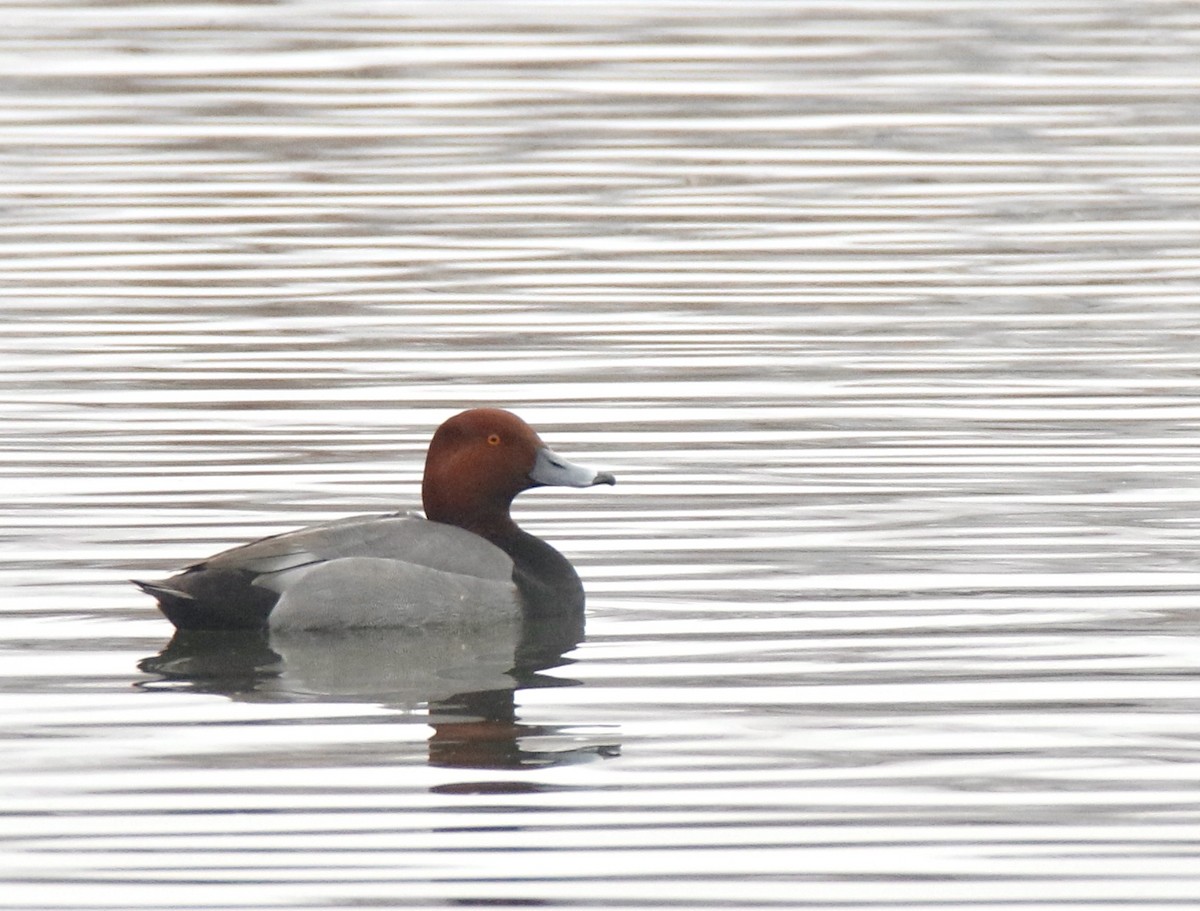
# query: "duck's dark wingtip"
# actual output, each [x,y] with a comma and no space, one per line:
[162,592]
[175,605]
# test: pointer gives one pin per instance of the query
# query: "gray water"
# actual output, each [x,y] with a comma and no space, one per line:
[885,314]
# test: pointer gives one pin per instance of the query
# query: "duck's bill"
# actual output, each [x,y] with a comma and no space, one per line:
[552,470]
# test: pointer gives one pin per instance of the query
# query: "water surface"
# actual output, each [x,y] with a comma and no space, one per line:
[884,314]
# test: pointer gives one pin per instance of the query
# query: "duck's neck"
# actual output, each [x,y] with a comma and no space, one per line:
[471,507]
[501,530]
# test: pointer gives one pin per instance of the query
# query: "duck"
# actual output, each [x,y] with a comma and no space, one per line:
[465,561]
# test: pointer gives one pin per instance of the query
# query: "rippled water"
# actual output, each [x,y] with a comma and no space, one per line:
[886,315]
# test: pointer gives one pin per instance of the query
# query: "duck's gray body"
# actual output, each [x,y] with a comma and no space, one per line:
[368,571]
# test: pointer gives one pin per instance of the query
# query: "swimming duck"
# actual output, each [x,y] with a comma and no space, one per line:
[465,561]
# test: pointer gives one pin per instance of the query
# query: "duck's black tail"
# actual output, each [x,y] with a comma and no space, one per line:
[210,605]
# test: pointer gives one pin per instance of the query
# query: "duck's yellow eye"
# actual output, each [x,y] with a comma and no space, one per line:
[494,439]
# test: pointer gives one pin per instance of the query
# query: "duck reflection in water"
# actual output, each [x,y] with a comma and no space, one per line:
[461,681]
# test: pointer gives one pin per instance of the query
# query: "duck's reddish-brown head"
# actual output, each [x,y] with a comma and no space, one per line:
[479,460]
